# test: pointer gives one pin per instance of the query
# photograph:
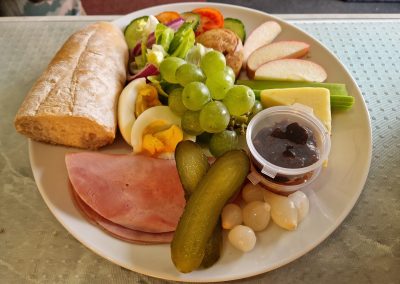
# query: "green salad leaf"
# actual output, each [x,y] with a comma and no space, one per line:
[164,35]
[183,40]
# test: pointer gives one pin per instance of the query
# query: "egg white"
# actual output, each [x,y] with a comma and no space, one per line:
[146,118]
[126,107]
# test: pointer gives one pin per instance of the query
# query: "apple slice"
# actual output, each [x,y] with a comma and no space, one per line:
[262,35]
[274,51]
[291,70]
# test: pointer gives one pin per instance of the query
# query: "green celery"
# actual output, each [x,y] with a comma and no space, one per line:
[338,102]
[340,99]
[341,102]
[334,88]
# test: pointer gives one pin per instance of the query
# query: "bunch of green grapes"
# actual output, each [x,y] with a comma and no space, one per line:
[207,99]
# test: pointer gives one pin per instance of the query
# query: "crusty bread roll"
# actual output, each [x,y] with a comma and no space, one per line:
[74,101]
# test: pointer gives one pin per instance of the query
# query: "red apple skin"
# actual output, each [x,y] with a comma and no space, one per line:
[275,51]
[262,35]
[291,70]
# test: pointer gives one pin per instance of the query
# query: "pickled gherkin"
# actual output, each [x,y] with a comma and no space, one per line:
[203,209]
[213,248]
[192,165]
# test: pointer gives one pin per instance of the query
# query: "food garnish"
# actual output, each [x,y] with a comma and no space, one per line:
[135,30]
[274,51]
[210,18]
[256,215]
[242,237]
[262,35]
[302,204]
[192,165]
[339,95]
[283,210]
[168,16]
[204,207]
[287,145]
[231,216]
[226,42]
[156,132]
[236,26]
[316,98]
[291,70]
[192,18]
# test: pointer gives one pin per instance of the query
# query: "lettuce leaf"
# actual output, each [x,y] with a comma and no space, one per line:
[183,40]
[164,35]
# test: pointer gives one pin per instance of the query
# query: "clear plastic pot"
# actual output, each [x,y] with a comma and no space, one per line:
[278,178]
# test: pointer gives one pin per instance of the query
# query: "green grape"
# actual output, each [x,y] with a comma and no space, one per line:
[212,62]
[195,54]
[223,141]
[168,68]
[188,72]
[214,117]
[195,95]
[175,101]
[228,70]
[239,100]
[190,123]
[219,84]
[257,107]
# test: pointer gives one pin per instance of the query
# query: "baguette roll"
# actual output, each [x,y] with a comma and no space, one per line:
[74,101]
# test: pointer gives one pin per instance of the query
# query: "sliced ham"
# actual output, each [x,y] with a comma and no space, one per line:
[134,191]
[119,231]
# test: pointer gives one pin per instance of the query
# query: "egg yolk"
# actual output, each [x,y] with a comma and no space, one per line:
[160,137]
[147,97]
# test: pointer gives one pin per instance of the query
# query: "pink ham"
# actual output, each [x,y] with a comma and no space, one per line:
[120,232]
[137,192]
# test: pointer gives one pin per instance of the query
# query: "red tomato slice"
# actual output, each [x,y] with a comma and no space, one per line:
[210,18]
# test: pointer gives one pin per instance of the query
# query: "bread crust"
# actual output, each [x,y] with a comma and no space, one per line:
[74,101]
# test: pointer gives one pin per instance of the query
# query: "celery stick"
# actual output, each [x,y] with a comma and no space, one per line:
[341,102]
[335,89]
[338,102]
[340,99]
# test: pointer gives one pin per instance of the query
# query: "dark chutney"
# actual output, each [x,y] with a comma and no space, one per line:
[287,145]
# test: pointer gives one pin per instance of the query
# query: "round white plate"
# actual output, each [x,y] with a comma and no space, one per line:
[332,195]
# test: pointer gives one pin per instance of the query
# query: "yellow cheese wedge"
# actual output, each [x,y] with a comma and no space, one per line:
[316,98]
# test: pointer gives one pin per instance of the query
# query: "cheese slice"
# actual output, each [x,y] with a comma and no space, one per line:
[316,98]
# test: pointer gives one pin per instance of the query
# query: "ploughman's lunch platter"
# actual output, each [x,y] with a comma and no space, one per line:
[197,141]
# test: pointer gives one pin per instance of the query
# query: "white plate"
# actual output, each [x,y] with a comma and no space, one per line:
[332,195]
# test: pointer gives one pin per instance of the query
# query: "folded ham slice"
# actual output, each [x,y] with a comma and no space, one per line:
[134,191]
[119,231]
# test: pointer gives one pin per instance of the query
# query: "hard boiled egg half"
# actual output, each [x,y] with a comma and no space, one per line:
[126,107]
[157,131]
[154,130]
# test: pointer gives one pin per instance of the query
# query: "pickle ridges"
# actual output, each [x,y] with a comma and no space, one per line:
[204,207]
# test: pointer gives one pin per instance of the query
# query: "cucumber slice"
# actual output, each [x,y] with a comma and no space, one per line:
[193,18]
[134,31]
[236,26]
